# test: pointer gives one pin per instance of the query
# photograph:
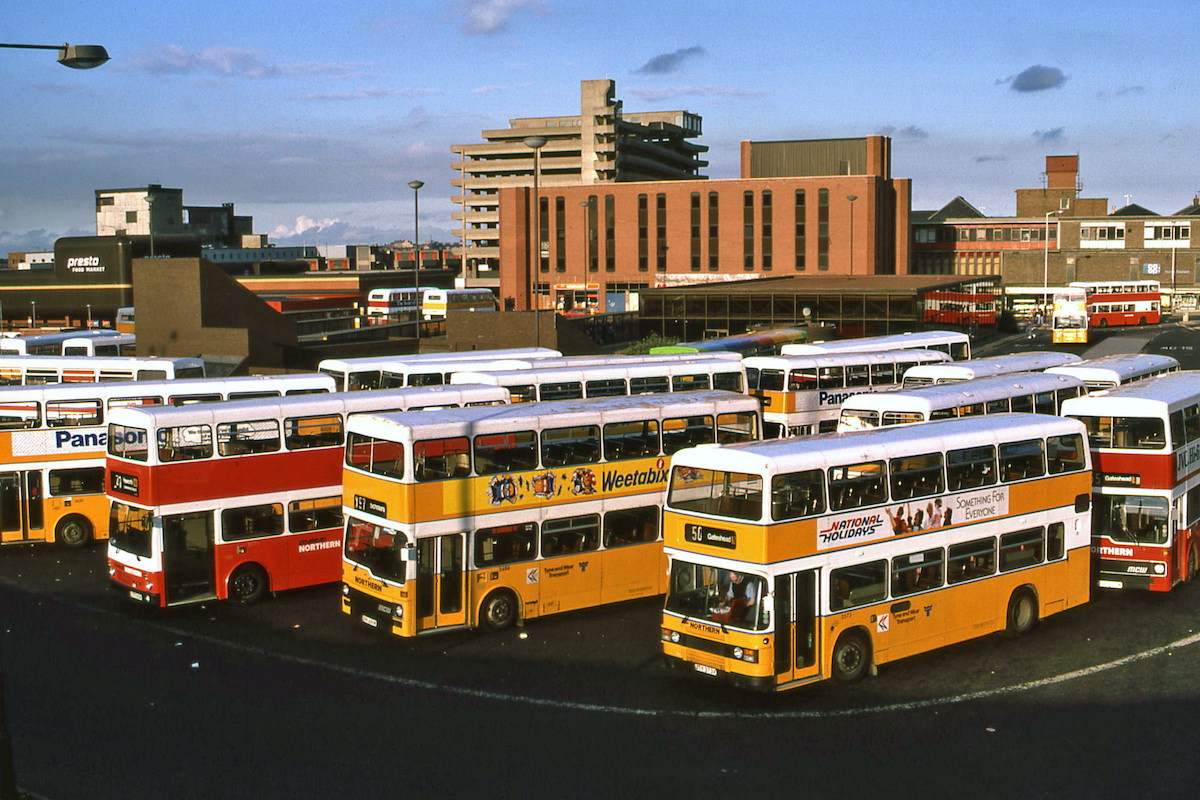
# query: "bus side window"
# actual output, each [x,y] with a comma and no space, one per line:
[1022,460]
[631,526]
[1064,454]
[1021,549]
[858,585]
[969,560]
[970,468]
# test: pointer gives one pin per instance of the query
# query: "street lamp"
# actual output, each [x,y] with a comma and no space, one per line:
[1046,259]
[851,198]
[75,56]
[536,143]
[416,186]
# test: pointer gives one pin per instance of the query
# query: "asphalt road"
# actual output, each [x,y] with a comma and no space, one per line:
[290,698]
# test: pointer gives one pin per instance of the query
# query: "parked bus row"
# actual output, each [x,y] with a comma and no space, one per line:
[232,500]
[20,370]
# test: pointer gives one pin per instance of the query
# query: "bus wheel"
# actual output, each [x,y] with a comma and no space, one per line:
[851,657]
[499,610]
[1193,563]
[1103,323]
[248,584]
[1022,612]
[73,531]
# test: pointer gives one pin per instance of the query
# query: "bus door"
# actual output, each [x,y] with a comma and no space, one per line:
[797,627]
[22,517]
[441,585]
[188,559]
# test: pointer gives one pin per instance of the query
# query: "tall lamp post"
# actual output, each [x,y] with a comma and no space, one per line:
[416,187]
[75,56]
[536,143]
[851,198]
[84,56]
[1046,260]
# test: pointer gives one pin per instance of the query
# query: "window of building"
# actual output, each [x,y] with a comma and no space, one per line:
[714,237]
[800,238]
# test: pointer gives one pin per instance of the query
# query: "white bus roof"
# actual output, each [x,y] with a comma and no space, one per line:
[1119,366]
[1149,397]
[911,339]
[785,362]
[564,413]
[879,444]
[991,366]
[964,393]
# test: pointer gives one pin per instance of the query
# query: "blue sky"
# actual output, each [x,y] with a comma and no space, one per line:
[313,117]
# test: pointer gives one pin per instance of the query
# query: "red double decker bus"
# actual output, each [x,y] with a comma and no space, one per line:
[1121,302]
[1145,443]
[234,500]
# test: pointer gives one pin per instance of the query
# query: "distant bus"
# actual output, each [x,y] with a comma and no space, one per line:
[1118,369]
[1121,302]
[20,370]
[125,320]
[1069,317]
[385,303]
[972,369]
[757,343]
[121,344]
[1022,392]
[49,344]
[435,303]
[802,395]
[956,345]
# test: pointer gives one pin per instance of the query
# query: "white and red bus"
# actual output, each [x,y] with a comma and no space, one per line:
[1145,443]
[52,441]
[1121,302]
[235,500]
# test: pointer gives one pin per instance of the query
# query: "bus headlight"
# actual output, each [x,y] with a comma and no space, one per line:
[742,654]
[1160,569]
[398,612]
[670,636]
[346,589]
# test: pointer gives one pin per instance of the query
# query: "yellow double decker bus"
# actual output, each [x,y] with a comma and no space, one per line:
[483,516]
[798,560]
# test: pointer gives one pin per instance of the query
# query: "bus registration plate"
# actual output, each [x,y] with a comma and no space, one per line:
[374,623]
[707,670]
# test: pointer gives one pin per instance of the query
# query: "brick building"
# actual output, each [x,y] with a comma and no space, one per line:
[821,207]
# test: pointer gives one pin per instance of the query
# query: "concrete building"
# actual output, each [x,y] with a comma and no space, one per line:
[816,208]
[1057,237]
[155,211]
[603,144]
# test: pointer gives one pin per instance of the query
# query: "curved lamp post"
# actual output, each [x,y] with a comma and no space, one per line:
[75,56]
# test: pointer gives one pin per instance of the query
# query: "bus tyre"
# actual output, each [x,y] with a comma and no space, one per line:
[851,657]
[73,531]
[1022,612]
[1193,563]
[248,584]
[499,610]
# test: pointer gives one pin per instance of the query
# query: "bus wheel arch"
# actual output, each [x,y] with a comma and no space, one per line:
[248,584]
[73,530]
[1022,611]
[1193,562]
[851,659]
[499,610]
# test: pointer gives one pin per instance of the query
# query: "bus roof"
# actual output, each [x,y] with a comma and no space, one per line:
[1122,366]
[878,444]
[1149,397]
[412,397]
[993,365]
[538,373]
[963,393]
[910,339]
[565,413]
[365,362]
[842,359]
